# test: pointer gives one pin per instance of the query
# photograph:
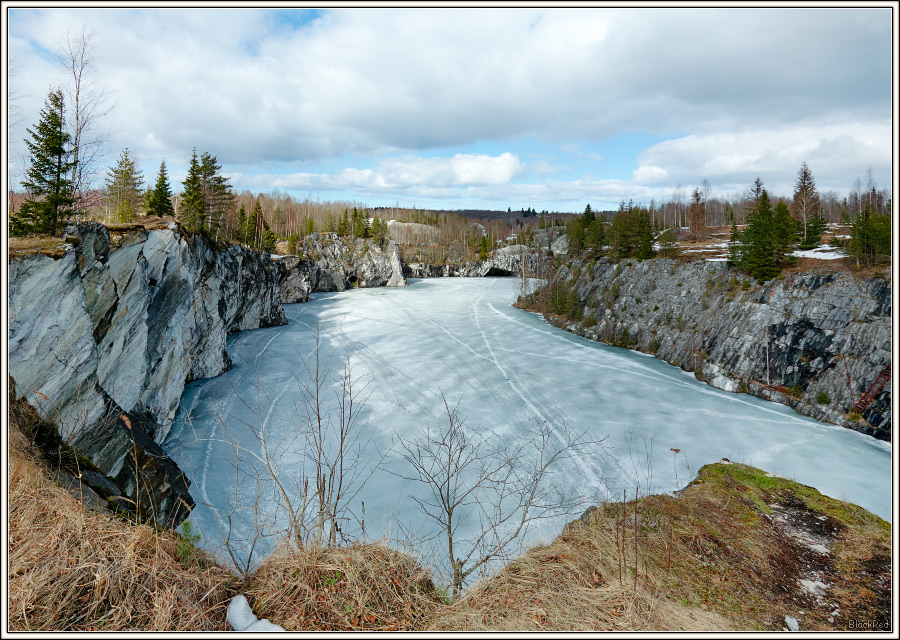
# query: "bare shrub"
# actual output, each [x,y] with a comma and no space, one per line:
[506,488]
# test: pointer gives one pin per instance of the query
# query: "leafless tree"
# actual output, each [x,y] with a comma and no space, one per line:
[89,108]
[678,201]
[312,505]
[336,444]
[505,488]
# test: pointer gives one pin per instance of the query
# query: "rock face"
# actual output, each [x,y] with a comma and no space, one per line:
[331,265]
[506,261]
[785,333]
[104,339]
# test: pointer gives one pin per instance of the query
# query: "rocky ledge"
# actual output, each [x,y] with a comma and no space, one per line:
[103,339]
[506,261]
[106,331]
[330,264]
[816,341]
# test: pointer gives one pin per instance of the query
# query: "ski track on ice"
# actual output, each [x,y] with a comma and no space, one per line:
[705,389]
[537,412]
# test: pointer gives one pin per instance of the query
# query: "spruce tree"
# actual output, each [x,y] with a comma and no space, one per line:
[123,191]
[697,213]
[160,200]
[870,237]
[784,231]
[254,233]
[343,225]
[241,225]
[268,239]
[483,249]
[575,232]
[759,244]
[47,182]
[735,249]
[645,249]
[192,212]
[217,196]
[595,236]
[806,203]
[588,217]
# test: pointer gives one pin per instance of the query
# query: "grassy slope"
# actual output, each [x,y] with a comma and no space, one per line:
[727,553]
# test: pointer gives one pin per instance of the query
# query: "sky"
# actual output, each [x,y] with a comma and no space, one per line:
[476,107]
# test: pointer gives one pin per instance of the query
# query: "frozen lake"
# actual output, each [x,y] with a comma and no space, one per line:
[509,371]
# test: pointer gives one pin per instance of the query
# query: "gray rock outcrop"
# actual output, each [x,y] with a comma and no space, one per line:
[329,264]
[788,340]
[103,341]
[506,261]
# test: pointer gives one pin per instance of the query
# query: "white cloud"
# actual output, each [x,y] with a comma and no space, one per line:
[476,169]
[650,174]
[460,170]
[397,85]
[836,153]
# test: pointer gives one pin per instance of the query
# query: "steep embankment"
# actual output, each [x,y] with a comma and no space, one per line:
[804,333]
[103,339]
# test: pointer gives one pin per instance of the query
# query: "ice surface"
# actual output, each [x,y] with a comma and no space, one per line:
[508,370]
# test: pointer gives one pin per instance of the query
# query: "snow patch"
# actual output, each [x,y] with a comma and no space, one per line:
[792,624]
[821,253]
[814,587]
[241,618]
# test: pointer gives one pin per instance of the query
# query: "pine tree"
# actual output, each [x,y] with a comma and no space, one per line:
[310,226]
[122,194]
[160,201]
[47,182]
[192,212]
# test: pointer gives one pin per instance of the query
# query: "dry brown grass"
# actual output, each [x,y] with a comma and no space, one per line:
[574,584]
[712,559]
[52,246]
[361,587]
[75,570]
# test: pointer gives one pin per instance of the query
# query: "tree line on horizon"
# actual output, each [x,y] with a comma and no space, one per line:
[56,191]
